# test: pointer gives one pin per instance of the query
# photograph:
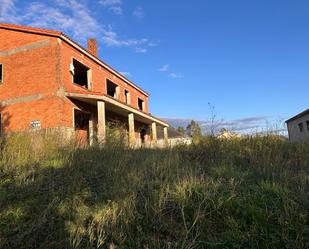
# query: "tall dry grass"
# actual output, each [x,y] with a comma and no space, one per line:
[240,193]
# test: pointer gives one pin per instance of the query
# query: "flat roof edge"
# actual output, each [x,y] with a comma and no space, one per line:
[29,29]
[297,116]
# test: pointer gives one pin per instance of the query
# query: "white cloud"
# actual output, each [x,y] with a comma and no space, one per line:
[72,17]
[176,75]
[68,16]
[8,11]
[140,50]
[153,44]
[116,10]
[126,74]
[111,39]
[139,13]
[164,68]
[113,5]
[6,6]
[249,125]
[110,2]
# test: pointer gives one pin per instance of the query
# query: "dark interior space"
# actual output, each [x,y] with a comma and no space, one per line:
[140,104]
[126,95]
[111,89]
[81,120]
[80,75]
[143,135]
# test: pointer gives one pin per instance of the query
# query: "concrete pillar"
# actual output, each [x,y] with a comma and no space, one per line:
[101,122]
[131,129]
[154,132]
[165,136]
[91,130]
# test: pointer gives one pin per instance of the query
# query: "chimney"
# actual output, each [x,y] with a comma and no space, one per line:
[92,47]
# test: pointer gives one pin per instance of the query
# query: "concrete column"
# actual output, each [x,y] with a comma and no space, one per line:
[91,130]
[89,79]
[154,132]
[131,129]
[101,122]
[165,136]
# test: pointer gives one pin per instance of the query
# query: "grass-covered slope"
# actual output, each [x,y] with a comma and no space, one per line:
[243,193]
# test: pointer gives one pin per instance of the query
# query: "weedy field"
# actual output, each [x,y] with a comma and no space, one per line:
[239,193]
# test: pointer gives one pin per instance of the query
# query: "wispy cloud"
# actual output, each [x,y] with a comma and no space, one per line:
[139,13]
[111,39]
[113,5]
[6,6]
[126,74]
[72,17]
[249,125]
[140,50]
[69,16]
[116,10]
[176,75]
[110,2]
[8,11]
[164,68]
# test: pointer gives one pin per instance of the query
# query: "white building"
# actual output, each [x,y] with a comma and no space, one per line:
[298,127]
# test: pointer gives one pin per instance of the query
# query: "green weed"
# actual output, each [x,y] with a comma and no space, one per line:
[240,193]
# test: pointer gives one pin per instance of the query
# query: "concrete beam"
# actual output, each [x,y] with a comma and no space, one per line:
[112,101]
[25,48]
[20,100]
[154,132]
[101,122]
[131,129]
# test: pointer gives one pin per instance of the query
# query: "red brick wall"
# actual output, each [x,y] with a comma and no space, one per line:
[19,116]
[99,76]
[31,80]
[40,73]
[30,72]
[11,39]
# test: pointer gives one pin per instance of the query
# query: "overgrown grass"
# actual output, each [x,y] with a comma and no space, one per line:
[241,193]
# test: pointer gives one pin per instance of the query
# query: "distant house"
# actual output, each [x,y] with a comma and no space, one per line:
[298,127]
[226,134]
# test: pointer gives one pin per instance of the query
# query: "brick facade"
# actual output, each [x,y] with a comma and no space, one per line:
[36,78]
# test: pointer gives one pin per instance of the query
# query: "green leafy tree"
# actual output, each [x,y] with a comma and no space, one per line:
[193,130]
[181,130]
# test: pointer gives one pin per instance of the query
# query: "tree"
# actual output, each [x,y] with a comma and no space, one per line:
[181,130]
[214,123]
[193,130]
[212,119]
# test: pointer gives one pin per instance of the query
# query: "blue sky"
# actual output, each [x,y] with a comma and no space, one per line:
[249,58]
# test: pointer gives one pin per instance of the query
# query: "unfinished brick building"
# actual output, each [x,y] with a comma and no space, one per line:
[48,81]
